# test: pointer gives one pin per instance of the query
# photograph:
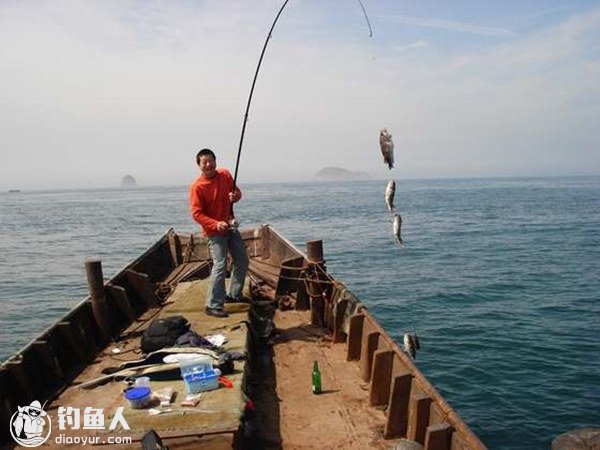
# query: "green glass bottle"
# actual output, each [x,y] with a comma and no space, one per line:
[316,379]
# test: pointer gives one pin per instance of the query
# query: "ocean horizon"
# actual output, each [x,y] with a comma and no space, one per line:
[499,277]
[16,189]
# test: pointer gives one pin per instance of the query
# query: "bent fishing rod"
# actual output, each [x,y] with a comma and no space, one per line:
[262,54]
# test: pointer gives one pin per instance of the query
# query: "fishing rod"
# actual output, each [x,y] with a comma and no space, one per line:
[262,54]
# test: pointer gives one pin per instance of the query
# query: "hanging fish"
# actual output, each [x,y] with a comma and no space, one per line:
[390,191]
[409,345]
[416,341]
[397,230]
[387,147]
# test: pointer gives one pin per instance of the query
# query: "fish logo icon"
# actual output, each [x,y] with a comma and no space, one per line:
[28,423]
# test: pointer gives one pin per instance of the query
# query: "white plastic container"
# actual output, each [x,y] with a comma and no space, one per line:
[142,381]
[199,363]
[198,374]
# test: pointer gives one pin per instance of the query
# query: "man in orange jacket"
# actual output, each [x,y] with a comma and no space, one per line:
[211,197]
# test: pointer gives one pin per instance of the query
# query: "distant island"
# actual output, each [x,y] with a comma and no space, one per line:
[128,182]
[339,174]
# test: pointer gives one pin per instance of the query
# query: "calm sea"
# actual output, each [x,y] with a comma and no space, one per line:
[499,277]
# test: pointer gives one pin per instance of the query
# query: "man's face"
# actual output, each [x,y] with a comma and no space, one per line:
[208,166]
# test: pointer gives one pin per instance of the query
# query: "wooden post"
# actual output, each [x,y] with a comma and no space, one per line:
[68,332]
[369,345]
[314,251]
[355,337]
[289,273]
[316,270]
[93,271]
[174,248]
[340,313]
[7,407]
[397,419]
[119,295]
[54,371]
[21,376]
[143,286]
[380,380]
[265,236]
[317,311]
[302,298]
[418,417]
[438,437]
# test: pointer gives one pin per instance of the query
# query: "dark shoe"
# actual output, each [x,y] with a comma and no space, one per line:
[216,312]
[229,299]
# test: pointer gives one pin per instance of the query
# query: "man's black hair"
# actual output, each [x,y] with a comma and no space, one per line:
[205,152]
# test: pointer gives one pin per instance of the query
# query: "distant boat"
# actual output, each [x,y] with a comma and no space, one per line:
[12,191]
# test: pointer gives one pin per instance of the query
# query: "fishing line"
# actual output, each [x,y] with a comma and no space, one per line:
[262,54]
[366,18]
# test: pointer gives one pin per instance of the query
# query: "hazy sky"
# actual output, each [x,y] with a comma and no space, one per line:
[92,90]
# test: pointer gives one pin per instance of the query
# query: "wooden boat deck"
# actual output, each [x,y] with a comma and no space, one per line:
[217,414]
[373,393]
[340,417]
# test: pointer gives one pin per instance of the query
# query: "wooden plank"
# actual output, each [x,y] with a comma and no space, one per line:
[35,371]
[119,295]
[82,330]
[317,311]
[370,342]
[93,271]
[174,249]
[266,240]
[49,361]
[438,437]
[64,357]
[379,392]
[69,333]
[289,272]
[8,403]
[418,417]
[397,417]
[328,318]
[20,375]
[302,298]
[355,337]
[141,283]
[90,327]
[458,442]
[338,325]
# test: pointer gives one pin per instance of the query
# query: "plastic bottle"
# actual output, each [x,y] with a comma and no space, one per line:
[316,379]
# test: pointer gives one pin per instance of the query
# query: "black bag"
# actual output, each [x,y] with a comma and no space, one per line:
[163,333]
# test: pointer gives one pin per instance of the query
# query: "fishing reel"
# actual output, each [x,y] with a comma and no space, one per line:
[233,225]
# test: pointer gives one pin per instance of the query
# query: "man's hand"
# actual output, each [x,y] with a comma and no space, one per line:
[222,226]
[234,196]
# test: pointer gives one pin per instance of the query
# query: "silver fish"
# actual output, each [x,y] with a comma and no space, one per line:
[390,191]
[416,341]
[387,147]
[397,230]
[409,345]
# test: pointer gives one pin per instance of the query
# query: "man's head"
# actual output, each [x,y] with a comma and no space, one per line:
[207,162]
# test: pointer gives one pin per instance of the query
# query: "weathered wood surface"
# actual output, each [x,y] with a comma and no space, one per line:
[413,407]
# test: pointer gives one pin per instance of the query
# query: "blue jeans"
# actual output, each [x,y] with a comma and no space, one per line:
[219,246]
